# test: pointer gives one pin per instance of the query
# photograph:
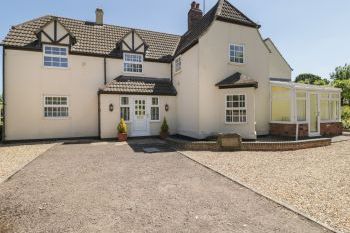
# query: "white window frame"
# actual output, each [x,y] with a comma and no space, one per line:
[132,63]
[306,106]
[330,99]
[125,106]
[55,56]
[237,108]
[229,54]
[56,106]
[291,121]
[154,106]
[178,64]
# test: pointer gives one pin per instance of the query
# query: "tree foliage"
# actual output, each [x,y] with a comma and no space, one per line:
[341,73]
[311,79]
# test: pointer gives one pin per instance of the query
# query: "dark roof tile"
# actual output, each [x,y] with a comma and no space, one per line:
[237,80]
[139,86]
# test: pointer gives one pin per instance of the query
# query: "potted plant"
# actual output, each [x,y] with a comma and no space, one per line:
[164,129]
[122,131]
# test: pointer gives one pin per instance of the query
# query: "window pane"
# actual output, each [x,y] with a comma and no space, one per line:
[125,101]
[301,94]
[325,109]
[125,113]
[55,56]
[237,53]
[281,104]
[154,113]
[154,101]
[301,109]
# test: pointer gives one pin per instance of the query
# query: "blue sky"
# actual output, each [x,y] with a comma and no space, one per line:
[313,35]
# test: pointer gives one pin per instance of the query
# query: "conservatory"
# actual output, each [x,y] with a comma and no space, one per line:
[301,110]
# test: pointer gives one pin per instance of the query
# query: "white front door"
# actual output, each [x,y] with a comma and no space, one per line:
[314,123]
[140,121]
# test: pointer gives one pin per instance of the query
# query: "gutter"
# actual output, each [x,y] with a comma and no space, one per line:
[105,70]
[3,93]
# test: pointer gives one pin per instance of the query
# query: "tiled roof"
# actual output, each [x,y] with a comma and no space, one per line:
[102,39]
[139,86]
[92,38]
[223,10]
[237,80]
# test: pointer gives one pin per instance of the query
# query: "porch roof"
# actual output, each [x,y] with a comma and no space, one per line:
[306,87]
[237,80]
[139,86]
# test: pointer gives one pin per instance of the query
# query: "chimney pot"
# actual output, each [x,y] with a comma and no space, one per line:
[193,5]
[194,15]
[99,16]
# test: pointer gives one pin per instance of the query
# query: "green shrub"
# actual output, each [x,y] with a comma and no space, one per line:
[164,128]
[122,127]
[345,116]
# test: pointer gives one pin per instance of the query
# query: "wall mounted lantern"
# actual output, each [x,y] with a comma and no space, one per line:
[111,107]
[166,107]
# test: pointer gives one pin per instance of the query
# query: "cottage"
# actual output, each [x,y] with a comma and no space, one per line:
[68,78]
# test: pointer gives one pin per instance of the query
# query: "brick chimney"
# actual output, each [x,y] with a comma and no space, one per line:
[99,16]
[194,15]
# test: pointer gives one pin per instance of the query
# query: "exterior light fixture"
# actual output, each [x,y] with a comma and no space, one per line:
[166,107]
[111,107]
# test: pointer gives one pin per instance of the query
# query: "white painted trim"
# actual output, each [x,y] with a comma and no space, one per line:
[53,55]
[147,116]
[318,133]
[59,117]
[125,106]
[229,54]
[150,107]
[237,108]
[178,58]
[133,62]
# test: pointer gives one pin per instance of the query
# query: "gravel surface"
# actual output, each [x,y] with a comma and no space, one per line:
[15,156]
[114,187]
[314,181]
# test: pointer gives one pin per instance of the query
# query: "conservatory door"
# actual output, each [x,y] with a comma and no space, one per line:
[314,123]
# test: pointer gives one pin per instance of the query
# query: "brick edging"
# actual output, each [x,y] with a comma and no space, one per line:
[251,146]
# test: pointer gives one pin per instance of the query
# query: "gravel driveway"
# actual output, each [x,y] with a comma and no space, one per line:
[15,156]
[109,187]
[314,181]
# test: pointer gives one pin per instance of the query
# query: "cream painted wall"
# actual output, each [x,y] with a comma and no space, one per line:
[27,85]
[278,66]
[214,66]
[150,69]
[186,84]
[110,120]
[27,81]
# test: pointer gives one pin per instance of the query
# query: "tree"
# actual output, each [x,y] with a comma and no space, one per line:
[311,79]
[341,73]
[344,84]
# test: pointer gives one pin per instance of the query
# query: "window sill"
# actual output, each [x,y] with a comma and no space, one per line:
[236,63]
[57,118]
[236,123]
[54,67]
[135,73]
[177,72]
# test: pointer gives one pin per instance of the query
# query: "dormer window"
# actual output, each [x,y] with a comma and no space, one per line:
[55,56]
[133,63]
[237,53]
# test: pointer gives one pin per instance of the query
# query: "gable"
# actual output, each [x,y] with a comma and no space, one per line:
[132,42]
[55,32]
